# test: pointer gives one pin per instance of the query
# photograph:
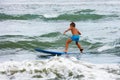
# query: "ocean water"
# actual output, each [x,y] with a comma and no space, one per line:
[29,24]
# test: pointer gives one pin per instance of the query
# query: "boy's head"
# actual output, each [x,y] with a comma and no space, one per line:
[72,24]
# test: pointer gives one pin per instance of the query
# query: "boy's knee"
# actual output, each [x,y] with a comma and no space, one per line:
[67,42]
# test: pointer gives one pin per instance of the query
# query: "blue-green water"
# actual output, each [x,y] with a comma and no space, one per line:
[29,24]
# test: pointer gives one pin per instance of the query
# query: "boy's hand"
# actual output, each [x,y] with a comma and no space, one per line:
[67,30]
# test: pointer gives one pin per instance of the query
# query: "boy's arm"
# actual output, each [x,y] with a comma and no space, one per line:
[79,32]
[67,30]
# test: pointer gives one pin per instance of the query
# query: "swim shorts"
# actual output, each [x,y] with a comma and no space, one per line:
[75,38]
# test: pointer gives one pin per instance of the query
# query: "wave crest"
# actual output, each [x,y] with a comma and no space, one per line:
[76,16]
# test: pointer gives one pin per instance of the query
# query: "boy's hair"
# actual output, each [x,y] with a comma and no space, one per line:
[72,24]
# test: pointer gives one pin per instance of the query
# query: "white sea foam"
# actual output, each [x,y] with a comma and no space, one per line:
[58,68]
[51,15]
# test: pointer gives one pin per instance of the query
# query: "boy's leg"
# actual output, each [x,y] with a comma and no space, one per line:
[79,46]
[67,44]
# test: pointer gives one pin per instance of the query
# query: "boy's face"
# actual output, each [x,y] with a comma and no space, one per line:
[71,26]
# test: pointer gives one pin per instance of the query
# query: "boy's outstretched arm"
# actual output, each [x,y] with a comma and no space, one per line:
[67,30]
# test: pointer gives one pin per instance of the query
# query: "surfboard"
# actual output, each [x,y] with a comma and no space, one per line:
[51,52]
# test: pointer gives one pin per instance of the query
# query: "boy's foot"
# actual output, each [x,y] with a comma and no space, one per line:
[81,50]
[65,52]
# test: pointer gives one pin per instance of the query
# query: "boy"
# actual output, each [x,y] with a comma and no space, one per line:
[75,37]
